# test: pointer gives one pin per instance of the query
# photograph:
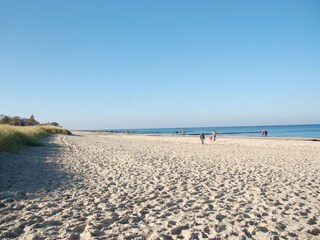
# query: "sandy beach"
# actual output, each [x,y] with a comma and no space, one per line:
[116,186]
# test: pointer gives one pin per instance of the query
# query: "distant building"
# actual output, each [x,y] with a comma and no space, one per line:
[17,121]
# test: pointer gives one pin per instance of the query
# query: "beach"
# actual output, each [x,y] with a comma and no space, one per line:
[118,186]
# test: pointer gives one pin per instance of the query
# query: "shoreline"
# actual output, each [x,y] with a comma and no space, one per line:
[309,131]
[314,139]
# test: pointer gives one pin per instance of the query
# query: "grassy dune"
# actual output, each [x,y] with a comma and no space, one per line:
[13,138]
[55,130]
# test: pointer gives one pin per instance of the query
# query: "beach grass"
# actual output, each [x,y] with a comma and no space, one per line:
[13,138]
[55,130]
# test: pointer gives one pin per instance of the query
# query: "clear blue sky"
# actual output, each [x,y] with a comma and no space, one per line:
[132,64]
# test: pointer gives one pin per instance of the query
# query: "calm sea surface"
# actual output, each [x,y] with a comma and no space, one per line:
[304,131]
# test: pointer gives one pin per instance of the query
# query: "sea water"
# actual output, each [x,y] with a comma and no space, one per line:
[298,131]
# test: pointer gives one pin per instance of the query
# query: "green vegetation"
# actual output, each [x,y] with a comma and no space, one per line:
[4,119]
[55,130]
[13,138]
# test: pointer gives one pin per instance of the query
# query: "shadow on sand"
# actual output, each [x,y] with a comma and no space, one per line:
[35,169]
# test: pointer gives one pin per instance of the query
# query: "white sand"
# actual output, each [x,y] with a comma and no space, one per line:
[100,186]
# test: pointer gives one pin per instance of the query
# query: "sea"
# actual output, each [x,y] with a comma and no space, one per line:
[294,131]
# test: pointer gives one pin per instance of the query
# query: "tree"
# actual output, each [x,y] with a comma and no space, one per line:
[4,119]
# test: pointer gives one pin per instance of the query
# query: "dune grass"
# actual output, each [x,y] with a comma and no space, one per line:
[13,138]
[55,130]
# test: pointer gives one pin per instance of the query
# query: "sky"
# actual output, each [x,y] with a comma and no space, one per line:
[109,64]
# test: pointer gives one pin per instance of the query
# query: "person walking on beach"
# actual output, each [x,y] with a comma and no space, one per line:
[202,137]
[266,133]
[214,135]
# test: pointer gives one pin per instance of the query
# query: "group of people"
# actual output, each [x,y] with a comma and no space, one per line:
[212,138]
[264,133]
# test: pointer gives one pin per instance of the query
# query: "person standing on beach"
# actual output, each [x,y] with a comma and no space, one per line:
[202,137]
[214,135]
[266,133]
